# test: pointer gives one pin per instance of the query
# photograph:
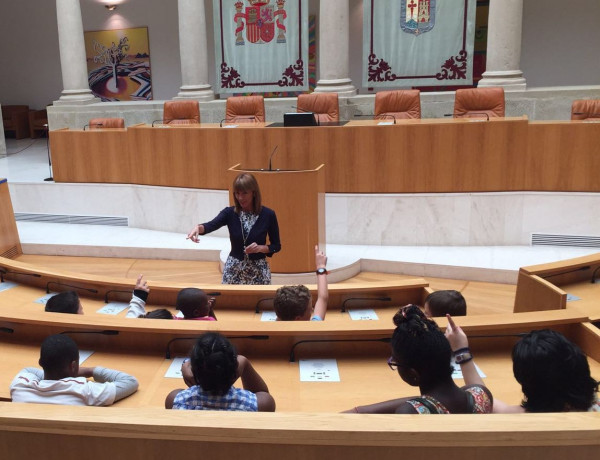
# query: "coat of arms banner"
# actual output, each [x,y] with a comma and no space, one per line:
[261,45]
[418,42]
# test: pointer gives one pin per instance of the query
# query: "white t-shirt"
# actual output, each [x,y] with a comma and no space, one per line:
[29,387]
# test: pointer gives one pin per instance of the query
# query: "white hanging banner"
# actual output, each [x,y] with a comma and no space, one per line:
[261,45]
[418,42]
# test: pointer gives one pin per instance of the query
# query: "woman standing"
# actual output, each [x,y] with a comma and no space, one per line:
[249,224]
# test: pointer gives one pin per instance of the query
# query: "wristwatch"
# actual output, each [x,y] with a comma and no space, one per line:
[321,271]
[463,357]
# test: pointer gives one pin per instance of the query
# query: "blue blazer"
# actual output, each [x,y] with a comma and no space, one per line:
[266,224]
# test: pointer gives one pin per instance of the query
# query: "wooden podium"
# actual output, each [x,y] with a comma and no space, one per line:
[298,199]
[10,245]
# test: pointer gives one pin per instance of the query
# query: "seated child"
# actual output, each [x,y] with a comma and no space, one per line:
[65,302]
[553,372]
[292,303]
[442,303]
[210,373]
[192,302]
[421,356]
[62,381]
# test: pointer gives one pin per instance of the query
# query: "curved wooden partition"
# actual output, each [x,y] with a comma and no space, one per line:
[157,434]
[547,286]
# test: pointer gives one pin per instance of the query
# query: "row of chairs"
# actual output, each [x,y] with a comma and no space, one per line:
[401,104]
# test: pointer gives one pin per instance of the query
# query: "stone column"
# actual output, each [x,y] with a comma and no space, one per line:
[334,51]
[193,50]
[505,24]
[76,89]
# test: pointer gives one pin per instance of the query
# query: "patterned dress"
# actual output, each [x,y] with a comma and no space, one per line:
[480,403]
[246,271]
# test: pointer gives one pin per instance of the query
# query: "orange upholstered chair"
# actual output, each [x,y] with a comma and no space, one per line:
[107,123]
[585,109]
[325,106]
[245,109]
[181,113]
[398,104]
[477,101]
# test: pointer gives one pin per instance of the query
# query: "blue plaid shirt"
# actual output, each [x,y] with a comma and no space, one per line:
[195,398]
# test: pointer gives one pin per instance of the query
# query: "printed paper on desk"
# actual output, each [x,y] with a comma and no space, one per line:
[572,298]
[180,314]
[113,308]
[83,355]
[45,299]
[384,123]
[7,285]
[268,316]
[174,370]
[319,370]
[230,126]
[457,372]
[367,314]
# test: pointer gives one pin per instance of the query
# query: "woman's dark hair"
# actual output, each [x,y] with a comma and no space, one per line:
[246,182]
[65,302]
[214,363]
[553,372]
[418,343]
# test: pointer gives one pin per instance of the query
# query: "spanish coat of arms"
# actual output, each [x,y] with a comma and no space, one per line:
[261,19]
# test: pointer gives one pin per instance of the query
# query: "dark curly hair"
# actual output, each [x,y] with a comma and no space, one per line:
[214,363]
[418,343]
[553,372]
[291,302]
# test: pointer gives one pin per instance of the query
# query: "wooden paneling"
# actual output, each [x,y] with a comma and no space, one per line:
[10,244]
[298,198]
[537,294]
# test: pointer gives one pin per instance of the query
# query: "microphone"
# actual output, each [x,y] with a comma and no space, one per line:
[93,291]
[388,115]
[85,126]
[102,332]
[270,158]
[5,271]
[468,114]
[156,121]
[256,310]
[115,291]
[95,125]
[237,119]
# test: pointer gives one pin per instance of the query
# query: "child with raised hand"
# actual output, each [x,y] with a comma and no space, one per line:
[192,302]
[553,372]
[293,303]
[421,356]
[210,373]
[62,381]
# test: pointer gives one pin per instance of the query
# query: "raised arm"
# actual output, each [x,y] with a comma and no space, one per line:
[252,381]
[322,288]
[137,304]
[460,344]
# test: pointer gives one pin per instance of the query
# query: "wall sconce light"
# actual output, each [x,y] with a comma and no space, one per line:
[110,7]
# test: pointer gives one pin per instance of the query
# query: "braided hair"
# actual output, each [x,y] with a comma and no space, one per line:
[419,344]
[553,372]
[214,363]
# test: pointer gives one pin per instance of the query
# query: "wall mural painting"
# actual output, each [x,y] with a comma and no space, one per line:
[118,63]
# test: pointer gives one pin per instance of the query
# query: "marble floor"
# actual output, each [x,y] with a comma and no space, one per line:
[26,162]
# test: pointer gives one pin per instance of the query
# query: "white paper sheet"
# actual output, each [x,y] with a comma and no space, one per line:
[44,299]
[367,314]
[7,285]
[83,355]
[268,316]
[319,370]
[174,370]
[113,308]
[457,373]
